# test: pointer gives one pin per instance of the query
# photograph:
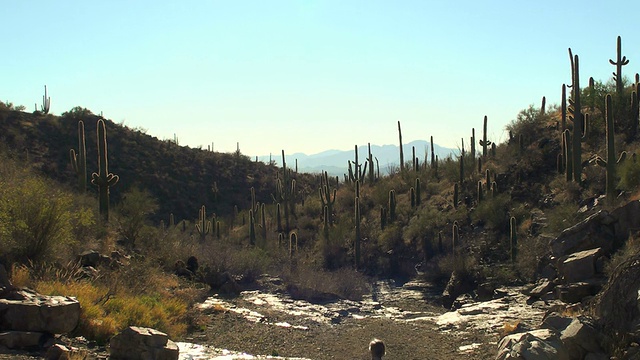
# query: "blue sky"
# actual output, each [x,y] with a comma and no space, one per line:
[307,76]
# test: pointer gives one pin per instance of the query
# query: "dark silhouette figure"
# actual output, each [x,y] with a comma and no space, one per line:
[376,347]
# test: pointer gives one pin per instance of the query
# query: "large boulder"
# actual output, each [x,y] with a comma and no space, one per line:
[580,337]
[604,229]
[26,310]
[541,344]
[596,231]
[138,343]
[580,265]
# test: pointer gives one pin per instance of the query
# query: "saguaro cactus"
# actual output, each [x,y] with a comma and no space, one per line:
[392,205]
[484,142]
[358,235]
[103,179]
[326,198]
[611,162]
[401,151]
[79,159]
[46,102]
[578,122]
[203,226]
[513,237]
[619,63]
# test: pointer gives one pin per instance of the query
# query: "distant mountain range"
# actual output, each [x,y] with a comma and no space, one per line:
[335,162]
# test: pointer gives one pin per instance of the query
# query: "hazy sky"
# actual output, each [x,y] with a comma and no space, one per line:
[307,76]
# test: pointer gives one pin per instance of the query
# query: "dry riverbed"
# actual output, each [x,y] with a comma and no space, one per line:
[268,324]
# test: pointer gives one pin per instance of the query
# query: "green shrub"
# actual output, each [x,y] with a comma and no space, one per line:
[133,212]
[629,172]
[492,212]
[36,217]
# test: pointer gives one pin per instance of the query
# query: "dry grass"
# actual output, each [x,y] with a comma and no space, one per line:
[108,307]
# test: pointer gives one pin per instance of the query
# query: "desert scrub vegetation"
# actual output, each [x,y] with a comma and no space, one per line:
[109,303]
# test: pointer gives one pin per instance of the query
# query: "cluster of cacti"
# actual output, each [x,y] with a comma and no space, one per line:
[79,159]
[414,160]
[103,179]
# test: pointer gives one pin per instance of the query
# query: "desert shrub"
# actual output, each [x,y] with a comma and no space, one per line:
[629,172]
[6,105]
[312,281]
[492,212]
[530,251]
[529,122]
[561,217]
[631,248]
[133,212]
[36,217]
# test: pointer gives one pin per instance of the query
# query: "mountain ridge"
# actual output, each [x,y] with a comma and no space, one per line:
[335,162]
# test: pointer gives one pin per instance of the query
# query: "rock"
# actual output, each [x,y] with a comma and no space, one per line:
[555,321]
[541,344]
[93,258]
[581,338]
[223,282]
[596,231]
[576,292]
[135,343]
[22,339]
[485,292]
[579,266]
[58,352]
[542,287]
[456,286]
[25,310]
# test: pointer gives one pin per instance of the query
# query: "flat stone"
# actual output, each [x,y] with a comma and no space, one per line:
[143,343]
[25,310]
[21,339]
[580,265]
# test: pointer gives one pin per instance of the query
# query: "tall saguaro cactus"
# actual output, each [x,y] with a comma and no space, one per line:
[203,226]
[326,198]
[79,159]
[484,142]
[578,121]
[611,162]
[103,179]
[358,234]
[619,63]
[46,102]
[401,152]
